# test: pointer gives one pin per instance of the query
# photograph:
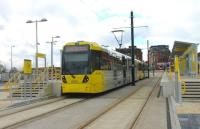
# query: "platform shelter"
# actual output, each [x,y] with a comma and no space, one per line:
[186,53]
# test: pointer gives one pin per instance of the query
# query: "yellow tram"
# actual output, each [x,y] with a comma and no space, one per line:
[89,68]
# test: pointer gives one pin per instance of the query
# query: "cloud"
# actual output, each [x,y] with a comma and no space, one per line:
[1,27]
[91,20]
[5,10]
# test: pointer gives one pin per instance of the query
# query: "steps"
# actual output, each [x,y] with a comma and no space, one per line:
[25,91]
[31,86]
[192,90]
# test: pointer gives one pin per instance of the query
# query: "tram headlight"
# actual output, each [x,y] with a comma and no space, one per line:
[85,79]
[64,79]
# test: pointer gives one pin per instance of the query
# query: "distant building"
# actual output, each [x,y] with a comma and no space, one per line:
[159,56]
[127,51]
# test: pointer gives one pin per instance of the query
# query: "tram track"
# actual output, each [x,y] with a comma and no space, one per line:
[42,105]
[15,123]
[86,125]
[88,121]
[107,110]
[13,110]
[142,109]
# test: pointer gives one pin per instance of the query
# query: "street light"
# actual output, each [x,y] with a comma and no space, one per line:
[36,22]
[118,31]
[52,43]
[11,57]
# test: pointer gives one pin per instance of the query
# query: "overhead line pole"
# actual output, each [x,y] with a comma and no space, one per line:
[148,56]
[132,50]
[133,47]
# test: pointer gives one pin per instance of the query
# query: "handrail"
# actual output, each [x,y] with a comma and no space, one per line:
[54,73]
[42,78]
[183,87]
[14,80]
[38,82]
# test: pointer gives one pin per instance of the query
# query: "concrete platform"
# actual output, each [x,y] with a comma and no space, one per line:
[4,102]
[123,115]
[188,108]
[154,115]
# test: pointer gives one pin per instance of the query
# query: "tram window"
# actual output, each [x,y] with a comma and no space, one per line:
[106,61]
[117,63]
[95,60]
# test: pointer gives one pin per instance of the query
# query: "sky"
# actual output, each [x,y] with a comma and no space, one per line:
[92,20]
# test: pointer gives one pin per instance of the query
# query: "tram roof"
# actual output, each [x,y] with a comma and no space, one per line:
[93,45]
[118,54]
[96,46]
[115,53]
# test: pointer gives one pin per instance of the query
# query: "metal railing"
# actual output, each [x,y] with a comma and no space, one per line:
[34,85]
[14,80]
[31,84]
[183,87]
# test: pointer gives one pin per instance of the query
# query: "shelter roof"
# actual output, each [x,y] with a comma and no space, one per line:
[180,47]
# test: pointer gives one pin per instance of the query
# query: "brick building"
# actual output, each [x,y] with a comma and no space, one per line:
[159,56]
[127,51]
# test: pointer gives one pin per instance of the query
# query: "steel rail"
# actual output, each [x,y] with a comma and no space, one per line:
[13,110]
[15,125]
[108,109]
[142,109]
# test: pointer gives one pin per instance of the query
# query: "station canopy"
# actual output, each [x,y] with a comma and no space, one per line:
[180,47]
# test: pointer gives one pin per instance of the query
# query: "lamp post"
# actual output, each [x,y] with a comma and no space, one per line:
[36,45]
[11,56]
[52,43]
[132,50]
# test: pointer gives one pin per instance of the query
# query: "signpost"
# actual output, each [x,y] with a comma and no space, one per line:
[27,66]
[27,77]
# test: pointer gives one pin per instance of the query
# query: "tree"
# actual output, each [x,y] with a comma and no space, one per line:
[2,68]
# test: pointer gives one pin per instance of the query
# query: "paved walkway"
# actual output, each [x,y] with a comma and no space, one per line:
[154,115]
[4,102]
[188,108]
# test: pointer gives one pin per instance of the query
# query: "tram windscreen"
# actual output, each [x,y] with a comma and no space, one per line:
[75,60]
